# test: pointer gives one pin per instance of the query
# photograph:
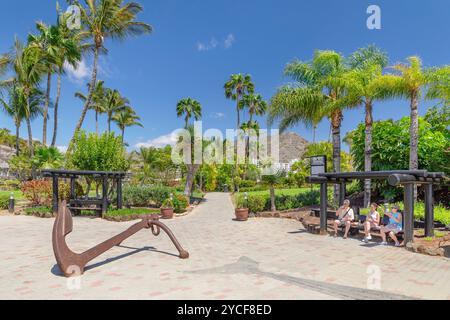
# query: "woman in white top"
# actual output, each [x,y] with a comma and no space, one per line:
[345,216]
[372,221]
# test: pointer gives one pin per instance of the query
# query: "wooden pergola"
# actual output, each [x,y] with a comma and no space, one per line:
[405,178]
[79,204]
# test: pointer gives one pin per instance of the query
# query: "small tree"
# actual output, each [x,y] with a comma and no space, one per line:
[272,180]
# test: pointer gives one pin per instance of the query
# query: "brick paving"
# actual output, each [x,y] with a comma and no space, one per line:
[257,259]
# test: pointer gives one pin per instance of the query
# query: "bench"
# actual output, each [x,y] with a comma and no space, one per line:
[85,204]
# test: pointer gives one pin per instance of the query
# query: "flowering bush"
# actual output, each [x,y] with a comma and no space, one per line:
[39,192]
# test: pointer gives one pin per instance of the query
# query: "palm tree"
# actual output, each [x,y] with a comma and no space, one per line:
[236,88]
[68,53]
[102,19]
[409,82]
[364,88]
[28,68]
[127,118]
[98,99]
[15,108]
[321,85]
[439,86]
[113,104]
[255,104]
[189,108]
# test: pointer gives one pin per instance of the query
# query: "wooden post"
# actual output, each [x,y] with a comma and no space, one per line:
[105,195]
[323,208]
[72,188]
[55,194]
[429,210]
[119,193]
[342,193]
[408,214]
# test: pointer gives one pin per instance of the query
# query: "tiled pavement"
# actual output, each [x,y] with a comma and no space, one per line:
[257,259]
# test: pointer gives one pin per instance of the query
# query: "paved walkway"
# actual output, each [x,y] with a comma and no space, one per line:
[258,259]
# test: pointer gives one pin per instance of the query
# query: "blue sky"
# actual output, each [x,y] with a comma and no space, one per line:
[198,44]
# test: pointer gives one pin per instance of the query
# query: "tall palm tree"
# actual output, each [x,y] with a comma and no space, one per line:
[236,88]
[255,104]
[15,107]
[98,100]
[439,86]
[28,68]
[68,53]
[321,85]
[126,118]
[409,82]
[189,108]
[46,44]
[102,19]
[113,104]
[364,89]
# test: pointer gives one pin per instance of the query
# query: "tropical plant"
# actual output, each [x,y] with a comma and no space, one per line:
[364,89]
[189,108]
[126,118]
[114,103]
[320,88]
[409,82]
[98,153]
[102,19]
[155,166]
[15,108]
[98,99]
[271,180]
[236,88]
[255,104]
[27,69]
[48,158]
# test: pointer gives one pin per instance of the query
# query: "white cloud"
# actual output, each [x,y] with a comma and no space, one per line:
[63,149]
[213,43]
[218,115]
[160,142]
[78,74]
[229,41]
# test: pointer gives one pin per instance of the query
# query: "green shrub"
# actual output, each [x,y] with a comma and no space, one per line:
[180,203]
[38,210]
[4,202]
[167,204]
[247,184]
[144,196]
[261,202]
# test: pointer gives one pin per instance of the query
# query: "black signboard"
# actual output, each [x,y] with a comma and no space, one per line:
[318,165]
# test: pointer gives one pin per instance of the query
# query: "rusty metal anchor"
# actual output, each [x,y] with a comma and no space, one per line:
[73,264]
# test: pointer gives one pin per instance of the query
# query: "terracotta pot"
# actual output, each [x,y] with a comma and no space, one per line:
[167,213]
[241,214]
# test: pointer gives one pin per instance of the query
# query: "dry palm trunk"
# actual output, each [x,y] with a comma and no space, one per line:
[17,138]
[368,153]
[55,119]
[414,136]
[336,120]
[91,93]
[47,103]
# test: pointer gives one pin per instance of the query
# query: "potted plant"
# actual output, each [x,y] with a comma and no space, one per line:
[167,209]
[241,210]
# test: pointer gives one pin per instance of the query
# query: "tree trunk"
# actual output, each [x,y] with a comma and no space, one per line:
[89,98]
[192,171]
[17,139]
[368,152]
[109,123]
[55,119]
[336,121]
[30,142]
[123,135]
[47,103]
[96,122]
[414,136]
[273,207]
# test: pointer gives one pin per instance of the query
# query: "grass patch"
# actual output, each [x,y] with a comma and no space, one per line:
[280,192]
[37,210]
[18,195]
[130,212]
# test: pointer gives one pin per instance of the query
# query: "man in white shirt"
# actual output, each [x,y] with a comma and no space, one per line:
[345,216]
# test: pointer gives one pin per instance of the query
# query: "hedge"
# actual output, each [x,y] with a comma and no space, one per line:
[146,196]
[4,202]
[260,203]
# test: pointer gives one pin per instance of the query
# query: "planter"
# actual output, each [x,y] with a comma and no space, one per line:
[241,214]
[167,213]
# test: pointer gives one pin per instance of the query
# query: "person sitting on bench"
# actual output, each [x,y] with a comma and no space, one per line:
[394,226]
[345,216]
[372,222]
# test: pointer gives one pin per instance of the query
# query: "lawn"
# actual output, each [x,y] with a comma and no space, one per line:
[279,192]
[18,195]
